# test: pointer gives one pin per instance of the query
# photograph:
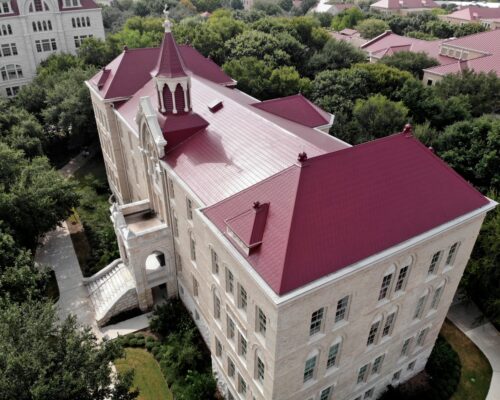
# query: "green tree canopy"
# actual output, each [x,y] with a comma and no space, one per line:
[371,27]
[347,19]
[412,62]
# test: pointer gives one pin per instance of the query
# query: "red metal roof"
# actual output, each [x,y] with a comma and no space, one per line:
[404,4]
[296,108]
[14,8]
[482,64]
[249,226]
[169,64]
[474,13]
[342,207]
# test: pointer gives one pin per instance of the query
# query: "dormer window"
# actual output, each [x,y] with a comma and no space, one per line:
[5,8]
[71,3]
[38,6]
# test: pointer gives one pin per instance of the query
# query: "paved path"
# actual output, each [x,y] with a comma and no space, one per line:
[467,318]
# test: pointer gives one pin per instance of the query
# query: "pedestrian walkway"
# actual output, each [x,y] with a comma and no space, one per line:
[469,320]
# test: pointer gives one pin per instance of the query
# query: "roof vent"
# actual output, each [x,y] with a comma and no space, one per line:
[408,130]
[431,149]
[215,106]
[302,157]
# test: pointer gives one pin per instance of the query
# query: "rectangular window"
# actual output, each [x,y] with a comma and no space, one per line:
[261,369]
[171,190]
[400,283]
[372,335]
[377,364]
[230,328]
[406,347]
[242,385]
[411,366]
[451,254]
[421,336]
[215,262]
[326,394]
[242,298]
[12,91]
[434,263]
[419,309]
[261,322]
[175,224]
[189,208]
[332,355]
[437,297]
[229,281]
[216,307]
[231,369]
[369,393]
[396,376]
[389,323]
[195,287]
[316,321]
[384,288]
[341,312]
[179,262]
[192,245]
[218,348]
[242,350]
[309,368]
[363,373]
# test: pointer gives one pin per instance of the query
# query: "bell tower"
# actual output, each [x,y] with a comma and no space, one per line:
[173,84]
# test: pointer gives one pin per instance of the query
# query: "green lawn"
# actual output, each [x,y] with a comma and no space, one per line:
[148,378]
[476,370]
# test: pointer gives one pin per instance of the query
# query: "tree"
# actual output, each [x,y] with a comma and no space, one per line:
[469,29]
[440,29]
[286,4]
[96,52]
[371,27]
[286,81]
[412,62]
[237,4]
[377,117]
[138,32]
[267,7]
[252,75]
[43,358]
[347,19]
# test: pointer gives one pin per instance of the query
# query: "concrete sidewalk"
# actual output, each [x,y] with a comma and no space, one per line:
[468,319]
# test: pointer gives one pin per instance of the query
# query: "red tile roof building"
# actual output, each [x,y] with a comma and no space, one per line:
[403,7]
[489,17]
[304,261]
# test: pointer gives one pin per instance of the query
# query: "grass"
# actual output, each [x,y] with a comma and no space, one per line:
[476,370]
[148,378]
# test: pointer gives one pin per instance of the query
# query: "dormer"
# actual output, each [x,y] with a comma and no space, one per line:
[173,84]
[72,3]
[5,7]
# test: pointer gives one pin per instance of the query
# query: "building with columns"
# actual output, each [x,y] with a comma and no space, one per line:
[31,30]
[313,269]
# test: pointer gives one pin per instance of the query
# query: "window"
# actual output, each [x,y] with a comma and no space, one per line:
[171,189]
[437,297]
[189,208]
[192,245]
[195,287]
[261,321]
[451,254]
[396,376]
[384,289]
[326,394]
[421,336]
[406,347]
[218,348]
[419,310]
[5,7]
[429,82]
[216,307]
[45,45]
[5,29]
[229,281]
[341,312]
[309,368]
[7,50]
[261,368]
[434,263]
[369,393]
[215,261]
[71,3]
[79,40]
[38,6]
[363,373]
[372,335]
[230,396]
[377,364]
[175,224]
[316,321]
[389,324]
[242,350]
[11,71]
[242,385]
[400,283]
[231,369]
[179,262]
[242,298]
[333,355]
[12,91]
[230,328]
[411,366]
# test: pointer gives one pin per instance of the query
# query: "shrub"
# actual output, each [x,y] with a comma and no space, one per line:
[140,342]
[170,317]
[149,345]
[132,342]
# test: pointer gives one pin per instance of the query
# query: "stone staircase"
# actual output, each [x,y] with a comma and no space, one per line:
[111,291]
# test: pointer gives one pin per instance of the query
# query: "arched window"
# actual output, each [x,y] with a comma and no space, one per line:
[44,23]
[38,6]
[334,353]
[420,306]
[310,365]
[385,287]
[39,24]
[5,30]
[390,321]
[5,7]
[11,71]
[179,98]
[34,26]
[73,22]
[78,22]
[49,23]
[88,21]
[260,367]
[373,333]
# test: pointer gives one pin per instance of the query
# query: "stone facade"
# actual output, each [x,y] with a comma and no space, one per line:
[29,36]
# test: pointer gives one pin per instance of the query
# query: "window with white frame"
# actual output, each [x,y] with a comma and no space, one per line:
[242,298]
[11,72]
[369,393]
[5,7]
[422,336]
[261,369]
[384,288]
[217,307]
[363,373]
[406,347]
[218,348]
[401,281]
[39,26]
[377,364]
[242,385]
[341,312]
[6,29]
[434,263]
[12,91]
[192,246]
[316,321]
[189,208]
[79,40]
[230,328]
[71,3]
[326,394]
[231,368]
[333,355]
[38,6]
[389,324]
[242,346]
[372,334]
[437,297]
[261,322]
[8,49]
[419,309]
[309,368]
[45,45]
[215,261]
[451,254]
[229,281]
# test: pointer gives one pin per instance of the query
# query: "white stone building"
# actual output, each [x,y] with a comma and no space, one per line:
[313,269]
[31,30]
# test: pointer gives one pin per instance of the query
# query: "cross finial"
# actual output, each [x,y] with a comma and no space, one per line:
[167,24]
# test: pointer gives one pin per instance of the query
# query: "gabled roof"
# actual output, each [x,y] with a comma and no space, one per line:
[404,4]
[296,108]
[490,63]
[339,208]
[488,42]
[475,13]
[170,63]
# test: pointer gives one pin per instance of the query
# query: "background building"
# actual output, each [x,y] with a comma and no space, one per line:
[31,30]
[312,268]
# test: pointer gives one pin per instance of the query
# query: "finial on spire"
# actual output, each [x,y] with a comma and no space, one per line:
[167,24]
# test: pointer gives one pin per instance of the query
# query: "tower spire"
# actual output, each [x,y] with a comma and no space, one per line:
[167,24]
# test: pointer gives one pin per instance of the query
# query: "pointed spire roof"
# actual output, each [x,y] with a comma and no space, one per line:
[170,63]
